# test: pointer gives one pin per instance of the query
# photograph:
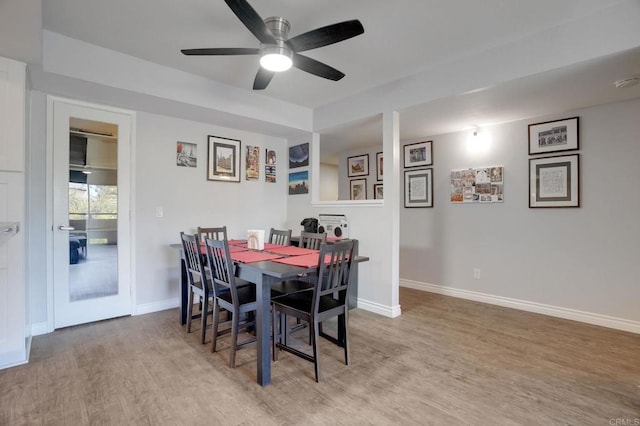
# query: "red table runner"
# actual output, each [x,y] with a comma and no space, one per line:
[238,243]
[306,260]
[249,256]
[291,250]
[243,243]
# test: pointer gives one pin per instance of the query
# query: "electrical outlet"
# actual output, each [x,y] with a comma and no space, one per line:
[476,273]
[159,212]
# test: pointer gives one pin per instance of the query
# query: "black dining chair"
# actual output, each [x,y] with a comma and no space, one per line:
[219,233]
[312,240]
[199,285]
[280,237]
[328,299]
[308,240]
[229,294]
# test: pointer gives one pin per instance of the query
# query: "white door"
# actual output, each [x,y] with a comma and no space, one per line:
[91,204]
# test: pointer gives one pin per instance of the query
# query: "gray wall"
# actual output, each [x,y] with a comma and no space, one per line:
[585,259]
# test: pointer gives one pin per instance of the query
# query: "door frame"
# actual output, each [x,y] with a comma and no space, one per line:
[50,226]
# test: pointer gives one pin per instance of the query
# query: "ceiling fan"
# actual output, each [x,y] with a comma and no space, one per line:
[279,53]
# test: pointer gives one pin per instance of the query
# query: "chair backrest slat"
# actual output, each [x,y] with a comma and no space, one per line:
[219,233]
[221,266]
[312,240]
[193,258]
[334,272]
[280,237]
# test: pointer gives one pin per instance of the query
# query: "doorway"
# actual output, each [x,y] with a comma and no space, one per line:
[91,239]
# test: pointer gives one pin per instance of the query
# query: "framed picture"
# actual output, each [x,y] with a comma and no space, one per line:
[223,159]
[186,154]
[299,183]
[379,166]
[418,188]
[358,189]
[554,181]
[554,136]
[479,185]
[418,154]
[378,191]
[299,156]
[252,163]
[358,165]
[270,157]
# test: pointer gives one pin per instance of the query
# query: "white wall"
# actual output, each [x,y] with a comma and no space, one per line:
[189,200]
[329,182]
[373,223]
[344,192]
[583,259]
[36,207]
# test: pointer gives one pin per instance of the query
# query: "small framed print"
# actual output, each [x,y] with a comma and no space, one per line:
[223,159]
[554,136]
[378,191]
[358,165]
[379,166]
[299,182]
[418,154]
[252,163]
[358,189]
[554,181]
[418,188]
[299,155]
[186,154]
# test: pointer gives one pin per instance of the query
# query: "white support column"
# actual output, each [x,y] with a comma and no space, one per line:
[393,197]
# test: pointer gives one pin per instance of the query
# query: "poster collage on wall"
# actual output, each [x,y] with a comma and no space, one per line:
[480,185]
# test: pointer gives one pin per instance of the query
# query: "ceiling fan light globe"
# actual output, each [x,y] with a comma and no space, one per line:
[275,62]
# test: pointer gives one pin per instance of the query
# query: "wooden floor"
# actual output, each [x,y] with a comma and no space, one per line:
[444,361]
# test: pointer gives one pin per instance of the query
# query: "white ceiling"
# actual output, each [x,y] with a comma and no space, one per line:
[401,38]
[570,88]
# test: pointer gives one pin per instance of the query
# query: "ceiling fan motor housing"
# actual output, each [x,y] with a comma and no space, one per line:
[279,27]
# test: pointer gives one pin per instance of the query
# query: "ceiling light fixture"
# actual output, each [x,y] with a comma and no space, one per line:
[276,57]
[478,141]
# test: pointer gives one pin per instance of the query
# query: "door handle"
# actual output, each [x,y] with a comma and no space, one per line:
[66,228]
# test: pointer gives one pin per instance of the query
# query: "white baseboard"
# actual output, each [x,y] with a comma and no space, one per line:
[162,305]
[14,358]
[377,308]
[523,305]
[40,328]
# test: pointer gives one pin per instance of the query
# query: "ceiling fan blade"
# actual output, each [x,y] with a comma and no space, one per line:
[221,51]
[251,20]
[263,78]
[326,35]
[316,68]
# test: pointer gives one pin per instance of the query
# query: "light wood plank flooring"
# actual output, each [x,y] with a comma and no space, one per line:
[444,361]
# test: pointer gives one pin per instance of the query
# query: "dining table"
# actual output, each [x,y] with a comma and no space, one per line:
[263,273]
